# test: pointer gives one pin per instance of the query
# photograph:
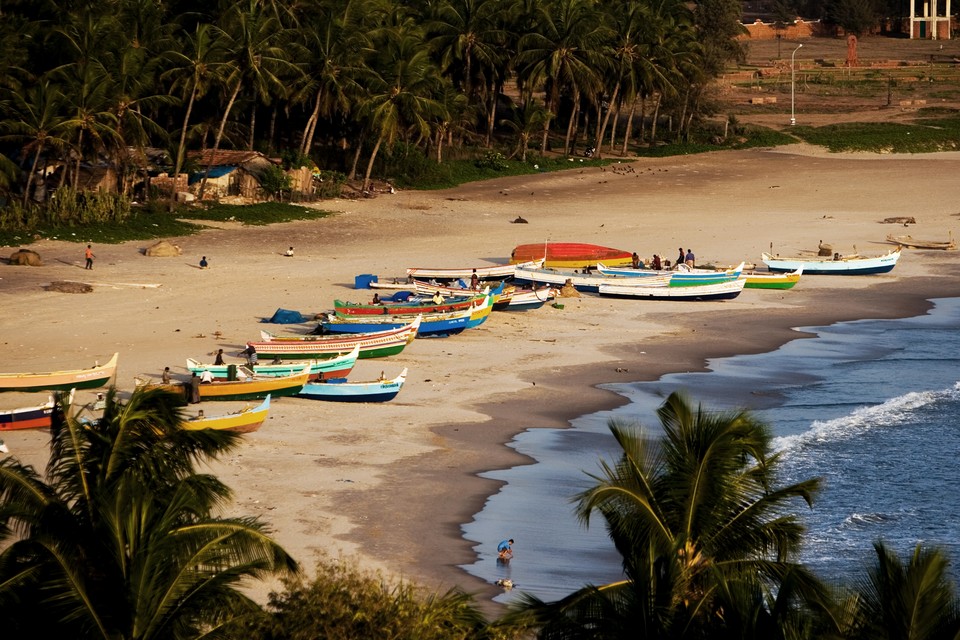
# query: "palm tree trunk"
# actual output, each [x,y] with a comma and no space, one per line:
[572,123]
[613,126]
[373,156]
[33,171]
[216,141]
[307,141]
[272,128]
[606,119]
[626,134]
[181,148]
[253,122]
[653,122]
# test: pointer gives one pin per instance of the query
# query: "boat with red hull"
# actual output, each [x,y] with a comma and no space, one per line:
[570,255]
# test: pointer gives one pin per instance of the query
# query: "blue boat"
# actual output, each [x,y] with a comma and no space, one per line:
[341,390]
[438,325]
[682,276]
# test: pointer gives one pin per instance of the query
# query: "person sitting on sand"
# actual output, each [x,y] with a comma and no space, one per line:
[289,252]
[376,299]
[505,549]
[203,262]
[655,263]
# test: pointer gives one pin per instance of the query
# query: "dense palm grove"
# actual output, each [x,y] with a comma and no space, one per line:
[358,86]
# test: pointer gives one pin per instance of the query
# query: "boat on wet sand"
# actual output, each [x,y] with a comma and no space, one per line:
[96,376]
[718,291]
[839,265]
[342,390]
[771,280]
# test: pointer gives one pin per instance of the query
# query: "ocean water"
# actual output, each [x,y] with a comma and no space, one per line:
[872,407]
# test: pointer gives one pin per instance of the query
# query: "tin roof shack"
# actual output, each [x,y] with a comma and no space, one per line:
[232,173]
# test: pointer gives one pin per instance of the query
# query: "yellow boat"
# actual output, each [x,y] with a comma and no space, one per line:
[244,421]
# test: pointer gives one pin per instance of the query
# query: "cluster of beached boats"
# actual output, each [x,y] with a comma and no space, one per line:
[427,302]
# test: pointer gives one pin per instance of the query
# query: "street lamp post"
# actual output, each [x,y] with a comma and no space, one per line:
[793,77]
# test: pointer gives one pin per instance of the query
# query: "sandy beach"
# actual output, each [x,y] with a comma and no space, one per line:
[391,483]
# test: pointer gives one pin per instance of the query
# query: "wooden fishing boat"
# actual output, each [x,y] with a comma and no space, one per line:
[255,388]
[96,376]
[717,291]
[244,421]
[912,243]
[525,299]
[342,390]
[37,417]
[337,367]
[413,306]
[569,255]
[682,276]
[385,341]
[771,280]
[837,265]
[438,325]
[584,281]
[492,272]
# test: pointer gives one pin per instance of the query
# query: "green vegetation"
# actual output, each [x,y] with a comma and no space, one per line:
[923,136]
[118,539]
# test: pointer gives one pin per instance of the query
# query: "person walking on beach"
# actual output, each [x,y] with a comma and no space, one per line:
[219,359]
[88,254]
[165,377]
[505,549]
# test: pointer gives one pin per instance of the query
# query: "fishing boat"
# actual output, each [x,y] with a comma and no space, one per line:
[337,367]
[374,344]
[255,388]
[837,265]
[771,280]
[717,291]
[96,376]
[244,421]
[912,243]
[342,390]
[682,276]
[412,306]
[492,272]
[438,325]
[525,299]
[37,417]
[569,255]
[584,281]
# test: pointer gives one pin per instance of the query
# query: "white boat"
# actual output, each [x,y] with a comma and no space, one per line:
[493,272]
[584,281]
[837,265]
[718,291]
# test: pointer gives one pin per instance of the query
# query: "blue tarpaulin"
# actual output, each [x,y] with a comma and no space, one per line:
[285,316]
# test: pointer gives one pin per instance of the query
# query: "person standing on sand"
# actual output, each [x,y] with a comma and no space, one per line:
[165,377]
[88,254]
[203,262]
[690,259]
[682,256]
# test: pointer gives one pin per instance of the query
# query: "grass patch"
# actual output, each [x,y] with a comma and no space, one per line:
[923,136]
[456,172]
[154,223]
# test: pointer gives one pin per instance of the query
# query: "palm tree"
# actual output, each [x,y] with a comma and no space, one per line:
[469,40]
[117,539]
[565,54]
[707,539]
[915,600]
[404,96]
[38,120]
[257,46]
[525,120]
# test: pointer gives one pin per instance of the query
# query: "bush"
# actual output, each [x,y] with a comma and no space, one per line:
[492,160]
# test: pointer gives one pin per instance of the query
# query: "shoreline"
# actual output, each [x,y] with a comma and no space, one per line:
[543,411]
[391,483]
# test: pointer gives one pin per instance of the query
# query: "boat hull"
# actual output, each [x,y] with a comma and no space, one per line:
[682,276]
[338,367]
[254,389]
[719,291]
[439,326]
[569,255]
[494,272]
[585,282]
[379,343]
[780,281]
[245,421]
[27,418]
[345,391]
[96,376]
[836,267]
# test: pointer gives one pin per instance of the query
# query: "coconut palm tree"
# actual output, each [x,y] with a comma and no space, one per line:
[565,55]
[117,539]
[913,600]
[404,96]
[37,119]
[707,537]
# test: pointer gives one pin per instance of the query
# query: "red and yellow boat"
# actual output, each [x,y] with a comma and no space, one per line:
[570,255]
